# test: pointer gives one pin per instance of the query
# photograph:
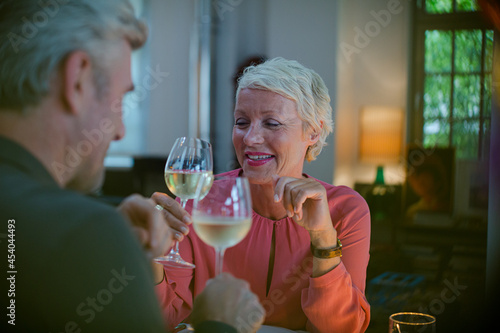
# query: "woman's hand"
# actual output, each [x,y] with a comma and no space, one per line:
[153,233]
[305,201]
[176,216]
[177,219]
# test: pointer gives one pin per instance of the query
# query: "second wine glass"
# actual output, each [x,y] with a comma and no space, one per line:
[412,322]
[223,216]
[188,161]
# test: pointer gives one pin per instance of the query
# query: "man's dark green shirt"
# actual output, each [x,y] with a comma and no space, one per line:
[68,262]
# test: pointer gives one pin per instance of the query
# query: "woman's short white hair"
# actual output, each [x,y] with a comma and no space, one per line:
[37,35]
[302,85]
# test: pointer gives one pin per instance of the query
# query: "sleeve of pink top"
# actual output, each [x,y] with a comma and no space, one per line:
[175,300]
[335,301]
[174,293]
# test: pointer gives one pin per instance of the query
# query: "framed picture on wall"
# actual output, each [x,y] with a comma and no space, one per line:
[429,183]
[472,186]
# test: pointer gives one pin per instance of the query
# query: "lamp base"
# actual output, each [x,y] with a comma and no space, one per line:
[379,178]
[381,198]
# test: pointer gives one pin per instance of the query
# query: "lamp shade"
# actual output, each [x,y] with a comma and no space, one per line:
[381,134]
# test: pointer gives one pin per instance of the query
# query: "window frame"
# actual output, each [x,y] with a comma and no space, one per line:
[421,21]
[135,103]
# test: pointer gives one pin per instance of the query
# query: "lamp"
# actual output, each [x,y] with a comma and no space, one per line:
[380,139]
[380,143]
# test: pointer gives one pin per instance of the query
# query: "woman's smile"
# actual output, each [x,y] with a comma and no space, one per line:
[268,136]
[255,159]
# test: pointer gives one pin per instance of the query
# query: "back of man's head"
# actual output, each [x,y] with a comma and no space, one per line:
[36,35]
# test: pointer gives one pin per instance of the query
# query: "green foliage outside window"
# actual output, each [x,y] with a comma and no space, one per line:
[467,5]
[438,46]
[457,83]
[438,6]
[450,6]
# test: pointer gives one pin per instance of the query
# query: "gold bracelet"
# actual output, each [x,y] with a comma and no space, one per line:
[327,253]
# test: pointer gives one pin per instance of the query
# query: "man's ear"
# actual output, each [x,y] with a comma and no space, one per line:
[77,81]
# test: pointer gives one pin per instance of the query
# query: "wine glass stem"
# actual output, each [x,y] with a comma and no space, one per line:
[184,202]
[219,260]
[175,249]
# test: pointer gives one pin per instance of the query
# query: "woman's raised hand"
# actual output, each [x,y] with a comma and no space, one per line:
[305,201]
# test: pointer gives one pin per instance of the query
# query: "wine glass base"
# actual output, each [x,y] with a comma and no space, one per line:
[175,262]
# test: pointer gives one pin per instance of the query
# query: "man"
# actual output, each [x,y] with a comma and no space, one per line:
[70,263]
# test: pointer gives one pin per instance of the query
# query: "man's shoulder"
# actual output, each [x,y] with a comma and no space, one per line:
[31,199]
[47,214]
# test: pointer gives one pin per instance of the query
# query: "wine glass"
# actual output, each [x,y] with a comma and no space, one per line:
[189,159]
[222,216]
[412,322]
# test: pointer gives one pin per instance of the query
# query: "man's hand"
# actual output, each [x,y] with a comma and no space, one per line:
[148,224]
[228,300]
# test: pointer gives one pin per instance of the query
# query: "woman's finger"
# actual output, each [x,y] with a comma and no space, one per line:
[172,206]
[283,194]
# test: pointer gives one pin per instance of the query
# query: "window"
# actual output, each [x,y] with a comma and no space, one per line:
[452,77]
[134,104]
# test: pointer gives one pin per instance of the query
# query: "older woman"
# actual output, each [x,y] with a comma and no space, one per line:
[307,251]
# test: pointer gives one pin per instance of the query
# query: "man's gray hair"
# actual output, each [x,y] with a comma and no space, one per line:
[37,35]
[302,85]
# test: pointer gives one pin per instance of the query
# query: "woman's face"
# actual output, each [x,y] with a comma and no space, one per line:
[268,137]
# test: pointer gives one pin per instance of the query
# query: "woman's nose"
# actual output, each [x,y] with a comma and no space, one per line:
[253,136]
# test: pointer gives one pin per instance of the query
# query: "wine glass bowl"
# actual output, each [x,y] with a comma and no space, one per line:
[190,159]
[223,216]
[412,322]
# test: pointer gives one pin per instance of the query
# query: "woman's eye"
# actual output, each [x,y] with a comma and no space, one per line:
[272,124]
[240,122]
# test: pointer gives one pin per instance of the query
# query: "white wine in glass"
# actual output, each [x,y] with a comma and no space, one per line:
[223,216]
[222,232]
[183,183]
[190,160]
